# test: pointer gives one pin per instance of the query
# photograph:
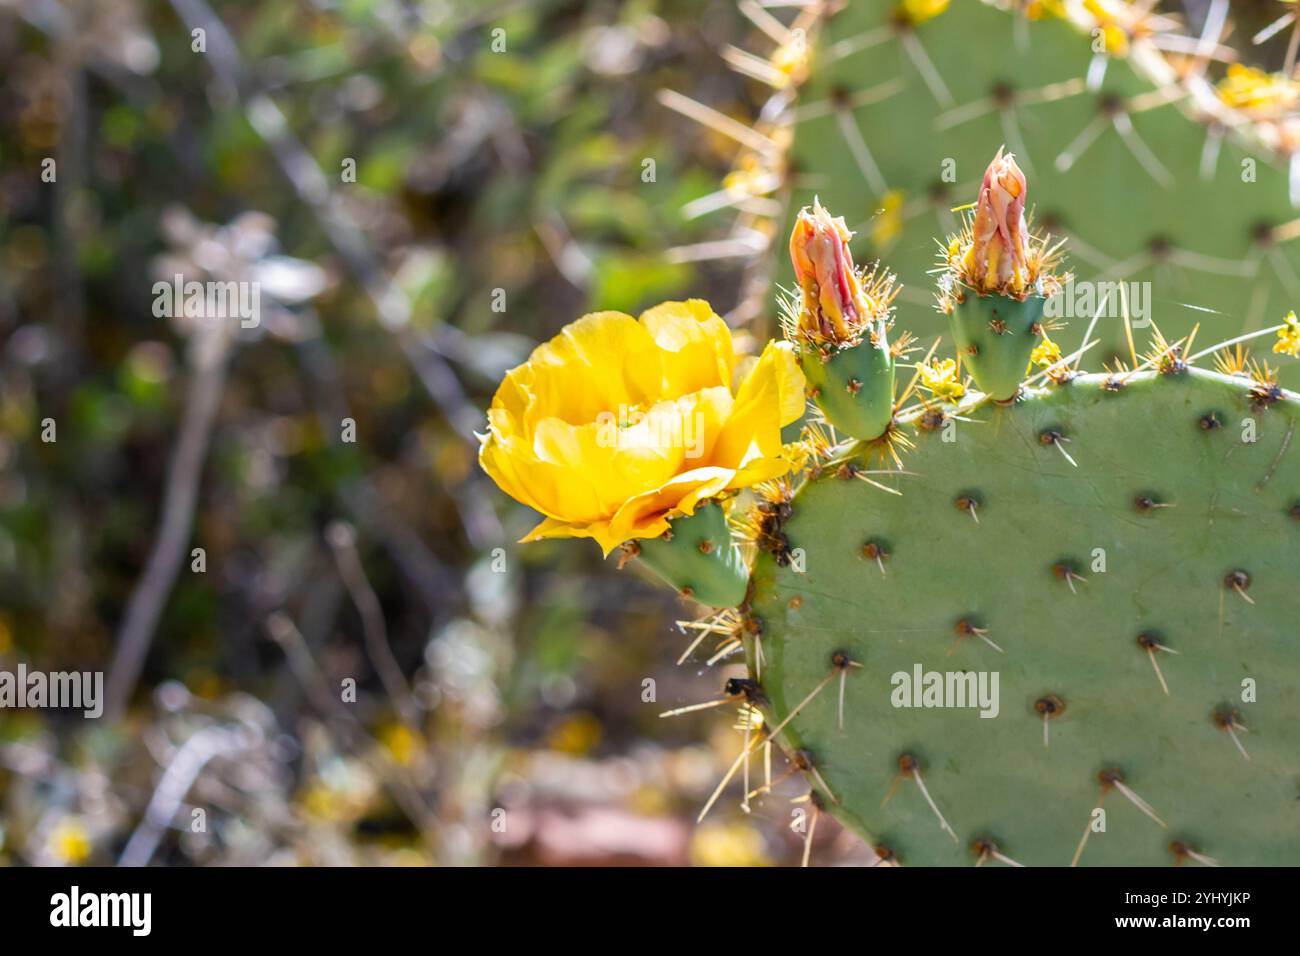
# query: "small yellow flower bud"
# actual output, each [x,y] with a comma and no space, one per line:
[1288,337]
[1046,354]
[940,379]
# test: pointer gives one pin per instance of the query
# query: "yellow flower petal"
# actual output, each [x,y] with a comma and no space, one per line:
[699,340]
[771,395]
[645,515]
[598,363]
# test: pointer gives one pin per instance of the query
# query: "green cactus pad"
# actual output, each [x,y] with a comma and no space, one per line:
[1200,223]
[995,336]
[699,558]
[853,386]
[1173,530]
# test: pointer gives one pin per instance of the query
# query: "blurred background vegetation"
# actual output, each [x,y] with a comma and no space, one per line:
[513,176]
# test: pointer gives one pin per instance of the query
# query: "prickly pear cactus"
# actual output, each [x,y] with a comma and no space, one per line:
[1007,613]
[1122,596]
[1166,165]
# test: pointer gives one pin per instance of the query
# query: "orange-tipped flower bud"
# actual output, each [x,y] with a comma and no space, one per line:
[998,258]
[834,305]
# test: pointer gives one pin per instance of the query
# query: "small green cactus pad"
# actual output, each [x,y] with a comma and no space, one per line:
[853,385]
[995,336]
[698,557]
[1187,492]
[1156,205]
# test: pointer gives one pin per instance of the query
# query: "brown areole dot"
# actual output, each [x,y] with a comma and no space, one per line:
[1110,776]
[875,551]
[1065,571]
[1148,641]
[931,419]
[1236,580]
[1049,706]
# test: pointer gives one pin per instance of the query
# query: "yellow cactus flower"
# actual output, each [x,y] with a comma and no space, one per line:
[1288,337]
[618,424]
[1108,20]
[997,255]
[69,842]
[1046,353]
[918,11]
[1255,91]
[940,379]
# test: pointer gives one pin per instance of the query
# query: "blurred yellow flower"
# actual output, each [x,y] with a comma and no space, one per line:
[1288,337]
[618,424]
[576,735]
[1251,89]
[888,224]
[918,11]
[402,743]
[69,842]
[728,844]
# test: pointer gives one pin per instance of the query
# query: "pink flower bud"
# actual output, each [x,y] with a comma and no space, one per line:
[834,306]
[998,259]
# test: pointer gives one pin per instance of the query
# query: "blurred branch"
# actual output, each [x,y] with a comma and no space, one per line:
[183,769]
[209,352]
[342,541]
